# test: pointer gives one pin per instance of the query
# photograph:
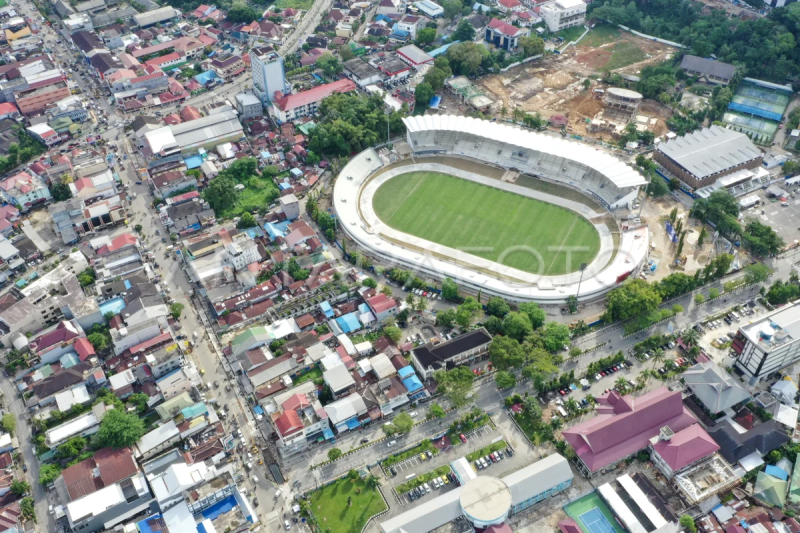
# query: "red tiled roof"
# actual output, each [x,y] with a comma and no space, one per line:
[142,346]
[105,468]
[569,525]
[381,303]
[624,425]
[504,27]
[298,401]
[686,447]
[304,321]
[83,348]
[288,423]
[316,94]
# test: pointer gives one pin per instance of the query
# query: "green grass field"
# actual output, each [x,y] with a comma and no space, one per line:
[624,54]
[329,505]
[507,228]
[600,34]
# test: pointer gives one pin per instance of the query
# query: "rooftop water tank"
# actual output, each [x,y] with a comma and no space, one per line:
[767,332]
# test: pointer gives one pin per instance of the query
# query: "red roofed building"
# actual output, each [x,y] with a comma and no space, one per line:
[172,120]
[675,453]
[118,243]
[569,525]
[83,348]
[303,104]
[624,426]
[288,423]
[106,467]
[52,345]
[382,306]
[164,62]
[300,420]
[504,35]
[506,6]
[8,110]
[190,113]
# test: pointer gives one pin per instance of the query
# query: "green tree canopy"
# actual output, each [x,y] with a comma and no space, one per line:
[517,325]
[535,313]
[403,422]
[9,423]
[446,318]
[247,221]
[556,336]
[240,12]
[505,380]
[119,430]
[455,384]
[465,31]
[632,298]
[175,310]
[49,473]
[506,352]
[449,289]
[334,453]
[498,307]
[426,36]
[393,332]
[468,312]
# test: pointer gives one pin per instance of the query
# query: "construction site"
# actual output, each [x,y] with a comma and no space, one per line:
[555,84]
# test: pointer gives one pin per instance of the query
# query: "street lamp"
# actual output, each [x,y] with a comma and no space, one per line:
[583,268]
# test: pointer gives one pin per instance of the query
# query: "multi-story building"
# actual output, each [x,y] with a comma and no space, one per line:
[504,35]
[78,22]
[248,105]
[303,104]
[70,107]
[228,67]
[38,97]
[269,78]
[24,191]
[769,344]
[299,420]
[461,350]
[242,251]
[563,14]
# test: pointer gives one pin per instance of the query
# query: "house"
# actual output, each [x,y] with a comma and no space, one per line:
[24,191]
[382,306]
[347,413]
[248,105]
[339,380]
[624,426]
[156,441]
[510,6]
[390,7]
[411,24]
[504,35]
[464,349]
[785,391]
[166,184]
[716,389]
[429,8]
[755,443]
[675,452]
[563,14]
[299,421]
[81,426]
[708,70]
[228,67]
[394,70]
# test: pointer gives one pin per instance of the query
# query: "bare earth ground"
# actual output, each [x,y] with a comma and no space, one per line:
[554,84]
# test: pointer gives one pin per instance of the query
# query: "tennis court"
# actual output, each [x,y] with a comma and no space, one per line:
[748,124]
[592,515]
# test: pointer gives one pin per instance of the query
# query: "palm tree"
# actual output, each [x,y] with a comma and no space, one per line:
[556,423]
[641,379]
[590,398]
[622,384]
[658,356]
[691,337]
[571,405]
[503,112]
[349,501]
[372,482]
[518,114]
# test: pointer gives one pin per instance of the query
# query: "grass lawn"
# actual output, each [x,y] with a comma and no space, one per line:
[257,193]
[570,34]
[624,54]
[329,505]
[314,373]
[507,228]
[295,4]
[483,452]
[599,35]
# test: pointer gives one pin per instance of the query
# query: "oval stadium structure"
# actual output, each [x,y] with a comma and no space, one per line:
[527,169]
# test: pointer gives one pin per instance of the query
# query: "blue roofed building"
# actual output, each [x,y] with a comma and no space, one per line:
[326,309]
[347,323]
[206,77]
[443,49]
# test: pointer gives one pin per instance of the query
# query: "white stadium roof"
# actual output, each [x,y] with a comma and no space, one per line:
[612,168]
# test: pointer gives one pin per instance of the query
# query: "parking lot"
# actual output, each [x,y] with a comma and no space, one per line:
[784,220]
[413,464]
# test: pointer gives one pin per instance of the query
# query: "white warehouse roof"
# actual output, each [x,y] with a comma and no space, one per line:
[612,168]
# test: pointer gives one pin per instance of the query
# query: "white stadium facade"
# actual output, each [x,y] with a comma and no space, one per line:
[435,139]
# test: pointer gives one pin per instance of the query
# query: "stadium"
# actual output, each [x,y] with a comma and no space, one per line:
[499,209]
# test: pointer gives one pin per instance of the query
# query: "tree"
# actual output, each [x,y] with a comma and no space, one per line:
[687,522]
[9,423]
[98,341]
[632,298]
[517,326]
[572,303]
[446,318]
[657,187]
[334,453]
[426,36]
[371,283]
[137,228]
[455,384]
[757,272]
[27,508]
[247,221]
[221,194]
[60,192]
[423,94]
[436,411]
[72,448]
[449,289]
[505,380]
[531,46]
[403,422]
[505,353]
[346,53]
[19,487]
[556,336]
[713,293]
[699,298]
[465,31]
[691,337]
[240,12]
[175,310]
[466,58]
[702,237]
[468,312]
[49,473]
[435,77]
[421,305]
[535,313]
[497,307]
[330,65]
[452,8]
[119,430]
[389,429]
[387,291]
[393,332]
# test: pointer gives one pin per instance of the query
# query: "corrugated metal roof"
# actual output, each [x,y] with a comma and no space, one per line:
[710,150]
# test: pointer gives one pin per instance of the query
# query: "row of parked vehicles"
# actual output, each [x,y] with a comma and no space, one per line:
[612,369]
[494,457]
[437,483]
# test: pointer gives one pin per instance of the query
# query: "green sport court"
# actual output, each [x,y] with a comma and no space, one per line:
[486,222]
[592,515]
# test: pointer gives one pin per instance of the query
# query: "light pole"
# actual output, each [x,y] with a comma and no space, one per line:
[583,269]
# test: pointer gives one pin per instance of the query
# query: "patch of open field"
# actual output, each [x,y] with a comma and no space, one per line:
[332,511]
[487,222]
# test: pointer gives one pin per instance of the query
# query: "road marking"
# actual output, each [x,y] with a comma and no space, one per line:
[773,213]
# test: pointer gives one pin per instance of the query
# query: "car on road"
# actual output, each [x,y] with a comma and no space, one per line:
[364,440]
[463,438]
[24,468]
